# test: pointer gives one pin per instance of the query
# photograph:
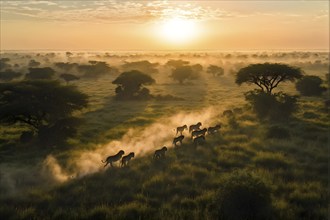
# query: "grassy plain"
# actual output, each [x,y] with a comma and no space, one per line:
[70,182]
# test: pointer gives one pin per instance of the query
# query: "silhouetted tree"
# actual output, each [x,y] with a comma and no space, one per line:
[130,85]
[327,78]
[310,86]
[183,73]
[197,68]
[34,63]
[40,73]
[278,106]
[176,63]
[9,75]
[215,70]
[69,77]
[68,54]
[4,63]
[96,69]
[143,66]
[267,76]
[45,106]
[66,66]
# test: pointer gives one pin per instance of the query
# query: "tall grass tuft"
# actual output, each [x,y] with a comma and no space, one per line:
[271,161]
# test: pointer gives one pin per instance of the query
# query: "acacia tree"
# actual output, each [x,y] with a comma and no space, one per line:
[267,76]
[215,70]
[130,85]
[46,107]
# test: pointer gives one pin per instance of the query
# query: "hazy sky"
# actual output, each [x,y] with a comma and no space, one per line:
[164,25]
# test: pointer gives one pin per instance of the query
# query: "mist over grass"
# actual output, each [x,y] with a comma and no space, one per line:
[288,159]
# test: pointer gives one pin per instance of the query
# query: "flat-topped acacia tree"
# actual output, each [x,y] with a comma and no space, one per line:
[267,76]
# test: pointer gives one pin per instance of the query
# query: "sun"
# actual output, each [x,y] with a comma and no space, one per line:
[178,30]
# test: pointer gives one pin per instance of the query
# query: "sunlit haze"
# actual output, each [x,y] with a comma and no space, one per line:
[178,30]
[164,25]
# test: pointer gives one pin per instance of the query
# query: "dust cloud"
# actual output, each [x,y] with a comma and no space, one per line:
[141,141]
[52,168]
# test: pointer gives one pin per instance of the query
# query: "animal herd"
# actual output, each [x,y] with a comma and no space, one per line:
[197,136]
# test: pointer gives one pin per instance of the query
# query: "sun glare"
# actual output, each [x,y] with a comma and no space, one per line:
[178,30]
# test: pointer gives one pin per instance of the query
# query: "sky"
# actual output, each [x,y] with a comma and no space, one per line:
[164,25]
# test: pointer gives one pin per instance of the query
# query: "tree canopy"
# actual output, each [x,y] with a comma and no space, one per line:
[183,73]
[215,70]
[95,69]
[130,84]
[144,66]
[176,63]
[8,75]
[267,76]
[34,63]
[310,86]
[4,63]
[40,104]
[40,73]
[66,66]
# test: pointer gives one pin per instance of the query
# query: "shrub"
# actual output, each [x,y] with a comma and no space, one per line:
[261,102]
[284,106]
[242,196]
[310,86]
[278,106]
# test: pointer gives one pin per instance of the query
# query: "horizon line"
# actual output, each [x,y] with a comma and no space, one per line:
[168,50]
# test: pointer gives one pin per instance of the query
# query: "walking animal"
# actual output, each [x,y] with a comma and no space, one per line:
[178,139]
[181,129]
[126,159]
[160,153]
[113,158]
[212,130]
[198,133]
[195,127]
[199,140]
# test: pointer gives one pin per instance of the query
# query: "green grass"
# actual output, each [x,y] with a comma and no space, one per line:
[187,182]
